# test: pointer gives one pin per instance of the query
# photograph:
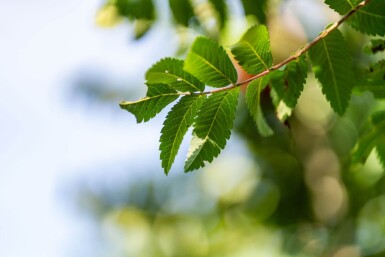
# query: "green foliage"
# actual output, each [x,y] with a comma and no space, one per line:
[182,11]
[332,66]
[253,50]
[208,61]
[380,147]
[370,19]
[221,8]
[288,83]
[211,113]
[373,136]
[158,97]
[374,80]
[133,9]
[212,127]
[253,100]
[376,45]
[259,11]
[342,6]
[170,71]
[177,122]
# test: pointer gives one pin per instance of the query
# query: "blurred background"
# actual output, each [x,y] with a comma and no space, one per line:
[79,177]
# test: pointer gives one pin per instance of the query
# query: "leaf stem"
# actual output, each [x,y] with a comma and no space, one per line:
[294,56]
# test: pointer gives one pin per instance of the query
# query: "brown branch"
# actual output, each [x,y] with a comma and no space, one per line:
[294,56]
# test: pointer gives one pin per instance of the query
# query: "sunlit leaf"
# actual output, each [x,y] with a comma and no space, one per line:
[208,61]
[333,67]
[170,71]
[177,122]
[253,50]
[212,128]
[158,97]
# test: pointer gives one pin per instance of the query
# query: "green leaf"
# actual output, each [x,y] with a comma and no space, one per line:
[177,122]
[170,71]
[258,10]
[158,97]
[333,67]
[342,6]
[371,138]
[253,100]
[182,11]
[289,83]
[220,7]
[370,19]
[141,11]
[212,128]
[374,80]
[253,50]
[208,61]
[380,148]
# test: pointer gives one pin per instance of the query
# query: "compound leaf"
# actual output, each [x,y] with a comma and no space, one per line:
[158,97]
[289,83]
[208,61]
[212,128]
[170,71]
[332,66]
[177,122]
[253,100]
[253,50]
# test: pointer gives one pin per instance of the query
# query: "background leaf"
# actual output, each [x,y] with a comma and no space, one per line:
[170,71]
[333,67]
[208,61]
[212,128]
[158,97]
[374,80]
[373,136]
[342,6]
[177,122]
[253,100]
[380,148]
[182,11]
[288,83]
[257,10]
[221,8]
[376,45]
[253,50]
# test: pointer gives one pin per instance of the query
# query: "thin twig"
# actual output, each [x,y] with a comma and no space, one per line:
[294,56]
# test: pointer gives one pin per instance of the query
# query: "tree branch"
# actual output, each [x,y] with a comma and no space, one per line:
[294,56]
